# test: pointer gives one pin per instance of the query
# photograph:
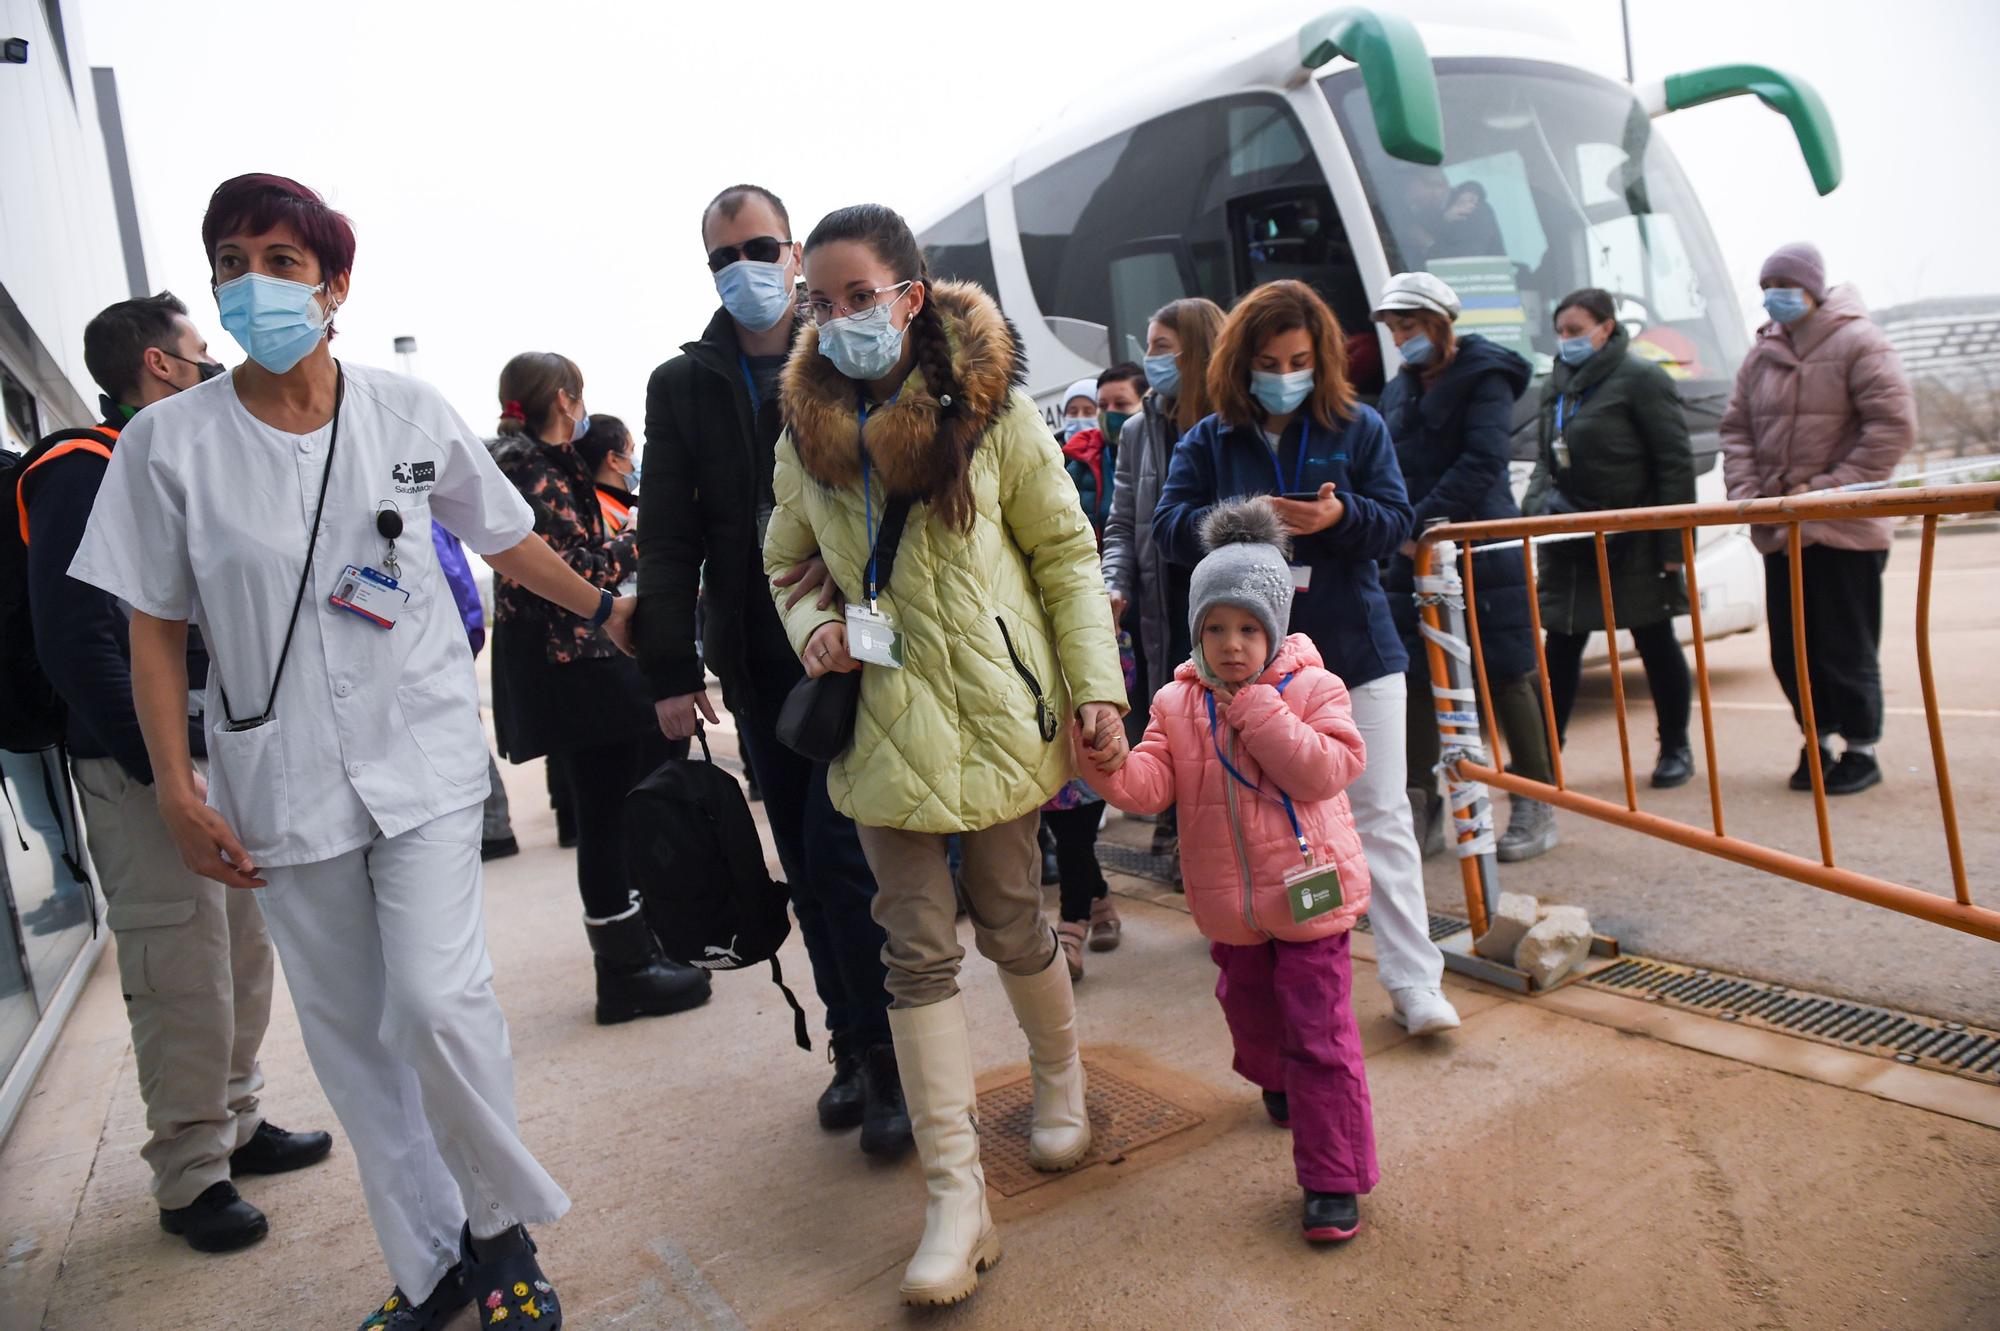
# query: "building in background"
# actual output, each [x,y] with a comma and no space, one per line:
[1951,349]
[69,246]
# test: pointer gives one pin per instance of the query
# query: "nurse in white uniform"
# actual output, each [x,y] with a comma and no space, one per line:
[286,508]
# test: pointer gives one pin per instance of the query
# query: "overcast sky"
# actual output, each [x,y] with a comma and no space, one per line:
[529,176]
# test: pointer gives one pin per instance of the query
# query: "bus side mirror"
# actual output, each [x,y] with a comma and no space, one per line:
[1791,97]
[1396,70]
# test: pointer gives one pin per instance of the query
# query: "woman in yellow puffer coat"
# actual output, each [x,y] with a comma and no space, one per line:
[991,630]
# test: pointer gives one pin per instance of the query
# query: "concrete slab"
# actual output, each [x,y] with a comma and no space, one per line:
[1668,1187]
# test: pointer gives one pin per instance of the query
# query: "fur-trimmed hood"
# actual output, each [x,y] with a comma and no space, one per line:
[916,446]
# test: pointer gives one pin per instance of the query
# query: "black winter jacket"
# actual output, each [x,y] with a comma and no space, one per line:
[702,513]
[1453,442]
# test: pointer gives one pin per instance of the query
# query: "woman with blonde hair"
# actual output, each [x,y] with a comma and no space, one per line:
[1287,424]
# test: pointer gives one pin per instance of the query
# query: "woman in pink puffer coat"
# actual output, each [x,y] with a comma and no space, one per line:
[1254,742]
[1822,402]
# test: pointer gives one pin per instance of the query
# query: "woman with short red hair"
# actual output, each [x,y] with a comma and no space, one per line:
[1286,423]
[287,506]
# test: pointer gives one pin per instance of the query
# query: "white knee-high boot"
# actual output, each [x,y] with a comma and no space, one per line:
[1045,1006]
[934,1058]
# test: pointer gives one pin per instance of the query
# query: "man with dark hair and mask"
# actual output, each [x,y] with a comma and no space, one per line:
[194,959]
[712,423]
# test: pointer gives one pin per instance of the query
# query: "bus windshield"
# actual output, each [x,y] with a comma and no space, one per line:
[1553,179]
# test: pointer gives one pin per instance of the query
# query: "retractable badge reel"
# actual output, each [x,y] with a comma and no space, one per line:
[371,594]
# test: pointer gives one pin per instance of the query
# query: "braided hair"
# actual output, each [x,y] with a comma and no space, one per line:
[889,238]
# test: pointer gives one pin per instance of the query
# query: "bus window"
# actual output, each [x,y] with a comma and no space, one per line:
[1153,212]
[1554,179]
[957,248]
[1298,234]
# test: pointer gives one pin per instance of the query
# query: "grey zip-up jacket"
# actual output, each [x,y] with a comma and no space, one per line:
[1134,565]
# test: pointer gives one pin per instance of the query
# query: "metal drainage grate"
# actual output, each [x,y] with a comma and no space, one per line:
[1441,926]
[1139,863]
[1123,1118]
[1946,1046]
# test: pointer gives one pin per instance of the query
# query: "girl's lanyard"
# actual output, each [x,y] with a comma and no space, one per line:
[1298,466]
[1304,848]
[867,494]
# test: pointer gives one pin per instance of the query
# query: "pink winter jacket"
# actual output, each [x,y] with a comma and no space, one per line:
[1237,845]
[1822,404]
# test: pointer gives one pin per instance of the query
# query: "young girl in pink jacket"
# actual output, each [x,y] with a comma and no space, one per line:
[1254,742]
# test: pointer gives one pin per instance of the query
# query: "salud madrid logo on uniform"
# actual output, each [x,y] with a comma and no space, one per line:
[413,478]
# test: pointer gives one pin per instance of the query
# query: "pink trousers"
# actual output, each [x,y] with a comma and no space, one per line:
[1290,1013]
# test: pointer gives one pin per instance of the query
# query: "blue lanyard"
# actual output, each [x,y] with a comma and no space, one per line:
[1298,466]
[867,494]
[750,382]
[1251,786]
[1581,398]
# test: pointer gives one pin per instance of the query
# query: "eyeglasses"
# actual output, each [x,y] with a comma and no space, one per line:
[861,302]
[758,249]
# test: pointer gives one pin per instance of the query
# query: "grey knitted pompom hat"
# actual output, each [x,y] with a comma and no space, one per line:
[1245,567]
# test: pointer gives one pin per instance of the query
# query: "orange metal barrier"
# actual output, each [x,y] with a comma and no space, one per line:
[1463,755]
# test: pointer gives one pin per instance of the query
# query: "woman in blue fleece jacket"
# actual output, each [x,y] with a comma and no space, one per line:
[1287,424]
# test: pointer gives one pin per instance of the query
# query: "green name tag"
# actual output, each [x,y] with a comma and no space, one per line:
[1313,891]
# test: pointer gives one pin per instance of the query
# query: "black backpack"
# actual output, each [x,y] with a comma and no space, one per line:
[31,714]
[692,850]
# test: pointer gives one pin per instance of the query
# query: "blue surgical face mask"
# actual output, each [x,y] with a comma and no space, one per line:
[1417,350]
[1164,374]
[757,295]
[579,427]
[276,322]
[1785,304]
[1280,394]
[1076,425]
[632,476]
[1575,350]
[863,346]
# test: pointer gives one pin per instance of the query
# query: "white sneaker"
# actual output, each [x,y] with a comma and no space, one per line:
[1424,1011]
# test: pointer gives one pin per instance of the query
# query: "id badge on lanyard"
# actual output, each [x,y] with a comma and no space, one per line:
[373,596]
[1311,889]
[1302,574]
[872,638]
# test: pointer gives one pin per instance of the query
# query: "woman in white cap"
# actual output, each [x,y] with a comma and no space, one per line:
[1450,411]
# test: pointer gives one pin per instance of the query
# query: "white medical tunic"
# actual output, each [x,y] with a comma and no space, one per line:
[204,515]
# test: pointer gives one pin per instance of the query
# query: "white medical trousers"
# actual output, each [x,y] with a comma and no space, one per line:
[384,949]
[1405,956]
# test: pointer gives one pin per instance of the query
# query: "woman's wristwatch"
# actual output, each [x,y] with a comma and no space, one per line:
[603,610]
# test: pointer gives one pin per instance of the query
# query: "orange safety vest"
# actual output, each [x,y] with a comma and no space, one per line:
[100,446]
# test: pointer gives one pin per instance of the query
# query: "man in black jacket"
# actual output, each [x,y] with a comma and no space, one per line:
[712,421]
[193,957]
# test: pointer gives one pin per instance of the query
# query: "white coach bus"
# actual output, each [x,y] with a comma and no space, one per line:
[1362,144]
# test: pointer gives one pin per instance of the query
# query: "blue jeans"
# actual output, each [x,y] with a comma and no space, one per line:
[833,889]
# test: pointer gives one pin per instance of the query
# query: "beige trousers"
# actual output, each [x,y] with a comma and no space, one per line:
[195,965]
[914,903]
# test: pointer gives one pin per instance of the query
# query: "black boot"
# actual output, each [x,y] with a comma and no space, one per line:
[1675,767]
[840,1104]
[633,979]
[1279,1107]
[502,1276]
[272,1150]
[217,1221]
[1331,1217]
[499,848]
[885,1122]
[1854,773]
[1802,774]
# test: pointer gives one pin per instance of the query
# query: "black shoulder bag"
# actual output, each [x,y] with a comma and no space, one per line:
[817,721]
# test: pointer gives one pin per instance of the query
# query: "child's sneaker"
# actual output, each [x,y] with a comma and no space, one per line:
[1331,1217]
[1278,1107]
[506,1283]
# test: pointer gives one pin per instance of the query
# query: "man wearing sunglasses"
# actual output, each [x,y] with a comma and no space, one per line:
[712,423]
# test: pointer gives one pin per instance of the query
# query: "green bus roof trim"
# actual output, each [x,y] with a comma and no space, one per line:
[1395,68]
[1792,98]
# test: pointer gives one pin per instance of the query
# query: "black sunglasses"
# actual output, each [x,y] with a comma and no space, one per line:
[759,249]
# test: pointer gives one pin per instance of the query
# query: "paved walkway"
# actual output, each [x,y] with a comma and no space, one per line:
[1537,1170]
